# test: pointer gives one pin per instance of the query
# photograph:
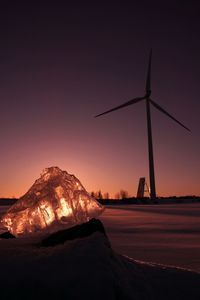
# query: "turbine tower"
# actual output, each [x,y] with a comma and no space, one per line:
[149,102]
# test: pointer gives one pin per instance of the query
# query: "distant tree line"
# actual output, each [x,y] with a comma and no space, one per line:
[122,194]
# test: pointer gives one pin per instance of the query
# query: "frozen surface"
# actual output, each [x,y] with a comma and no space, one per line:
[87,268]
[164,234]
[56,200]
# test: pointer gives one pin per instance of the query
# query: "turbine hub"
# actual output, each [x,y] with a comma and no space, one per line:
[148,93]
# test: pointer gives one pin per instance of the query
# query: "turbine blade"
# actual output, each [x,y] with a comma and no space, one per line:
[148,81]
[166,113]
[130,102]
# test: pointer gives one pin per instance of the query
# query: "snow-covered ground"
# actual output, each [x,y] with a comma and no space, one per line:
[165,234]
[88,268]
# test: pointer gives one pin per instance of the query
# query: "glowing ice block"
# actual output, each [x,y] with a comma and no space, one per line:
[56,200]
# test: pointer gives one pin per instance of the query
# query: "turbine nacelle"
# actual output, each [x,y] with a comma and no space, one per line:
[148,94]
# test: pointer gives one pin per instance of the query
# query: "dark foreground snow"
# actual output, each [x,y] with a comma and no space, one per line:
[86,268]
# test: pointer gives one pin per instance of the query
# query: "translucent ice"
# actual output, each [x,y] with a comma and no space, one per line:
[56,200]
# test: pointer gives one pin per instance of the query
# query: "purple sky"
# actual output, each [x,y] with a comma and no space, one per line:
[61,64]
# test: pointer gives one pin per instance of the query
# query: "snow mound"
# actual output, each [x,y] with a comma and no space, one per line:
[87,268]
[56,200]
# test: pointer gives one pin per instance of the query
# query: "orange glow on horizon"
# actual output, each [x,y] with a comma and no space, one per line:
[112,188]
[108,174]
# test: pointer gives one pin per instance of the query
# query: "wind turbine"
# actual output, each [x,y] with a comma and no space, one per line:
[149,102]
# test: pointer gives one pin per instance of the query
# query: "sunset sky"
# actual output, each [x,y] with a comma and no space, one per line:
[61,64]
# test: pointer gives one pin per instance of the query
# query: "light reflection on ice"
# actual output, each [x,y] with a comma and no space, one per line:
[57,199]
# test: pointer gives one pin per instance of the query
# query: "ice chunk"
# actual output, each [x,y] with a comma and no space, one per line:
[56,200]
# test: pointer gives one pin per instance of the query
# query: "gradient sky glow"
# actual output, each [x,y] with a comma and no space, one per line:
[61,64]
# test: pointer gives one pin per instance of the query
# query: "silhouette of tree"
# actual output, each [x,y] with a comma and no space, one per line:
[123,194]
[93,194]
[106,195]
[99,195]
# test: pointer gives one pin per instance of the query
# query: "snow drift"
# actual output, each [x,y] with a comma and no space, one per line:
[56,200]
[87,268]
